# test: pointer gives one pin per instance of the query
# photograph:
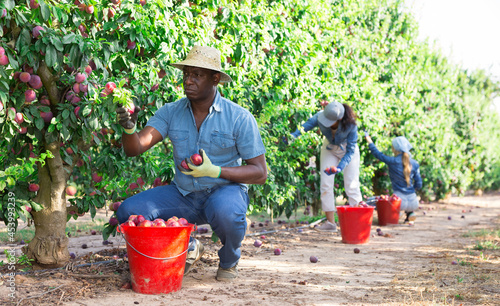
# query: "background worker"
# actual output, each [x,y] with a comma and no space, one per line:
[337,123]
[404,173]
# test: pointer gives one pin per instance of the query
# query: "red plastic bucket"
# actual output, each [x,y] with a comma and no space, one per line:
[156,256]
[388,211]
[355,223]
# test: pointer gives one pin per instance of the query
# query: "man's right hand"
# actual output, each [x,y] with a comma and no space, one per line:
[127,120]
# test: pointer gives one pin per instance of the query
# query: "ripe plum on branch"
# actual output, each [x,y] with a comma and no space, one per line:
[120,96]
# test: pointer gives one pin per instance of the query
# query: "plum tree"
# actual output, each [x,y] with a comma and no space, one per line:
[52,81]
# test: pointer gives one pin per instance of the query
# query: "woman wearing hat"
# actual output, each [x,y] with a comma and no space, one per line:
[227,137]
[339,152]
[404,173]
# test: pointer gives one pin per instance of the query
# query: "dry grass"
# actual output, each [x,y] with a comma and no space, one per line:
[459,274]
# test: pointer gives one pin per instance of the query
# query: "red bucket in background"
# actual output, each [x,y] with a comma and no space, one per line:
[388,211]
[355,223]
[157,256]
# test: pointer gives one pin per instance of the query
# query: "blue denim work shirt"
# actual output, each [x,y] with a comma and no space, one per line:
[395,164]
[229,134]
[347,136]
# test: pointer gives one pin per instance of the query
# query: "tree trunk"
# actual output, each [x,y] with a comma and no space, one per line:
[316,206]
[375,185]
[49,247]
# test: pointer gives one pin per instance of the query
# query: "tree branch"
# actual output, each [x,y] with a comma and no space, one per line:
[49,82]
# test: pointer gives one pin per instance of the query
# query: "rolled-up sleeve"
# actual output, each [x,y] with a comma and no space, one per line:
[159,121]
[248,140]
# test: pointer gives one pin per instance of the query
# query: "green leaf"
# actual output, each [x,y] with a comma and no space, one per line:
[5,87]
[65,134]
[21,19]
[50,56]
[92,211]
[57,12]
[109,25]
[50,137]
[68,159]
[94,123]
[10,181]
[69,38]
[36,206]
[86,111]
[24,40]
[107,231]
[45,10]
[65,114]
[57,43]
[39,123]
[9,4]
[238,52]
[75,56]
[12,61]
[214,237]
[107,54]
[75,18]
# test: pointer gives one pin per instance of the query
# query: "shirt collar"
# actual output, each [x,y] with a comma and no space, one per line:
[216,105]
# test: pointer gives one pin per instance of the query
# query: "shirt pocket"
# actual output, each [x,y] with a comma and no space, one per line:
[180,143]
[222,147]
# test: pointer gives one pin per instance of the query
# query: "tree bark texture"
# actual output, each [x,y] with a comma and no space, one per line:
[49,247]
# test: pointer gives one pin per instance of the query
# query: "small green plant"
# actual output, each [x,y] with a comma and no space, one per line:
[485,245]
[458,297]
[21,260]
[483,233]
[464,263]
[24,260]
[482,257]
[459,279]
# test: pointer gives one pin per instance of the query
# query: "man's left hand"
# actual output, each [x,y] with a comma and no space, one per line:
[206,168]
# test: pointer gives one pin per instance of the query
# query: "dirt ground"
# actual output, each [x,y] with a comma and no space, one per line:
[434,262]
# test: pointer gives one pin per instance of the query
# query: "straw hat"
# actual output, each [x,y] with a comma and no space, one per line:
[204,57]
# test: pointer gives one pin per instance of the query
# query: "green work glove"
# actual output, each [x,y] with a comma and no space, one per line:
[206,168]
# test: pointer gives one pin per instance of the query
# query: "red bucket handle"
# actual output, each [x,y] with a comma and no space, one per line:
[120,230]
